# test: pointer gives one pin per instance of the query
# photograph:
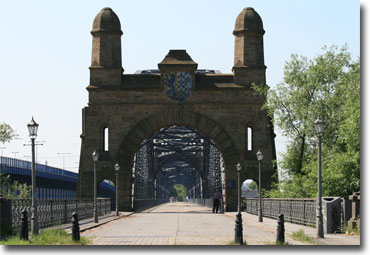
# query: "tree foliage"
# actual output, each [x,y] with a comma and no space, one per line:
[253,185]
[13,189]
[6,133]
[327,86]
[179,191]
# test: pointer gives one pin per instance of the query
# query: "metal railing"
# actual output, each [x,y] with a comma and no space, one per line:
[22,166]
[298,211]
[57,212]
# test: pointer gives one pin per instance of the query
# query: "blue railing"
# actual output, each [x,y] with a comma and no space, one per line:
[22,167]
[48,190]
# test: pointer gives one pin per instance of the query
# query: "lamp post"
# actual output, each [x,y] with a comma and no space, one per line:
[15,154]
[238,221]
[116,167]
[319,126]
[95,156]
[259,158]
[32,129]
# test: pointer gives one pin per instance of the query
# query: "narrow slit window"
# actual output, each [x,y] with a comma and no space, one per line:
[250,139]
[106,139]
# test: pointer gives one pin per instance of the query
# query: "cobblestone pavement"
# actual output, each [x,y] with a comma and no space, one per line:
[179,224]
[290,228]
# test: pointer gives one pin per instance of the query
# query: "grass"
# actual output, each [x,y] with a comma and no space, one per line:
[301,236]
[46,237]
[357,230]
[349,231]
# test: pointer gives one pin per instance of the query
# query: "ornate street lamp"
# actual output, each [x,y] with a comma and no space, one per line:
[319,126]
[116,167]
[32,129]
[259,158]
[238,221]
[95,157]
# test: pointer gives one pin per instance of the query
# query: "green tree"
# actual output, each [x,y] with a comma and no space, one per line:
[253,185]
[6,133]
[329,86]
[8,188]
[13,189]
[179,191]
[173,192]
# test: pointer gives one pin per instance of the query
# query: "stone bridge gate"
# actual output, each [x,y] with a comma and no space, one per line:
[125,109]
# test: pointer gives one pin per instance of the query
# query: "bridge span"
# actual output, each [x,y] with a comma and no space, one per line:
[179,223]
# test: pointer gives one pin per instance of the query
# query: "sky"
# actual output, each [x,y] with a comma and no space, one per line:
[45,52]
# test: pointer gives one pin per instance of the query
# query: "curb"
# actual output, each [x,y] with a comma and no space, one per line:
[83,229]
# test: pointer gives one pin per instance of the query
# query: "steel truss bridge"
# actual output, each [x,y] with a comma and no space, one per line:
[177,155]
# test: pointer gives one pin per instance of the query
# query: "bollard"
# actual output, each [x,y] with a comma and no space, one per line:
[238,238]
[280,230]
[75,227]
[24,225]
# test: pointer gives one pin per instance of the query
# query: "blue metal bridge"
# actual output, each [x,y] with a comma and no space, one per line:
[51,182]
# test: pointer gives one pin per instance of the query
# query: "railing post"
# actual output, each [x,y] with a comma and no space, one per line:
[65,210]
[51,213]
[87,208]
[304,211]
[279,206]
[6,215]
[24,225]
[271,207]
[103,206]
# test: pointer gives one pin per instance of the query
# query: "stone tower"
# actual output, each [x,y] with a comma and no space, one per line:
[106,63]
[249,65]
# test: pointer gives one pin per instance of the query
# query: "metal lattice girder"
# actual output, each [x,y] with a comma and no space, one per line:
[180,155]
[214,174]
[175,158]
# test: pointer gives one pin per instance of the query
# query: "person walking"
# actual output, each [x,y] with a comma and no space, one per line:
[216,201]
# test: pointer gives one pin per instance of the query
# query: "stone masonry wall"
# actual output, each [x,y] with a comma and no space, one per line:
[224,115]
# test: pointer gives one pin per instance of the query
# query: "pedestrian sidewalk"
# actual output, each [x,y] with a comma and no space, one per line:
[88,223]
[290,228]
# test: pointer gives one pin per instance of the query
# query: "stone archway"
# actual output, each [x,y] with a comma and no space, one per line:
[125,109]
[107,189]
[177,115]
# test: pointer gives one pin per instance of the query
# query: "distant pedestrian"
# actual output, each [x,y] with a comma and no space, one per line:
[216,201]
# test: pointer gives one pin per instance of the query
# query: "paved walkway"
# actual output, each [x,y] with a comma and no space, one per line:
[290,228]
[188,224]
[88,223]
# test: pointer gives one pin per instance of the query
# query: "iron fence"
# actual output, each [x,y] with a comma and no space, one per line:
[298,211]
[57,212]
